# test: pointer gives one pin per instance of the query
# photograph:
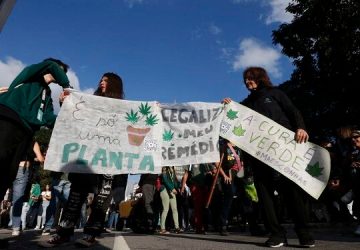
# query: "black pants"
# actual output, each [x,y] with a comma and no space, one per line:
[182,201]
[14,142]
[81,186]
[295,199]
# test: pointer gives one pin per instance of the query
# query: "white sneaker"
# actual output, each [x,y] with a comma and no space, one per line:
[45,231]
[37,228]
[16,232]
[357,231]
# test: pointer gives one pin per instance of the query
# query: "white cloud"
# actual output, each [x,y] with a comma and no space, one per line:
[131,3]
[278,12]
[11,67]
[252,53]
[214,30]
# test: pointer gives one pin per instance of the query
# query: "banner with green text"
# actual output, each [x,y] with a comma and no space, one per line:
[100,135]
[306,164]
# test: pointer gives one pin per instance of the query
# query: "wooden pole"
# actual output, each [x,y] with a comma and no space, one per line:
[214,182]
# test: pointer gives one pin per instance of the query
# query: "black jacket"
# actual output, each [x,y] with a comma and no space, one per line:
[276,105]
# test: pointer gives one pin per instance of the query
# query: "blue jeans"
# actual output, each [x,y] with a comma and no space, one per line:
[60,193]
[113,218]
[19,186]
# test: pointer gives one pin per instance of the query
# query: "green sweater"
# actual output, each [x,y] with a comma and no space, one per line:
[35,193]
[169,180]
[25,94]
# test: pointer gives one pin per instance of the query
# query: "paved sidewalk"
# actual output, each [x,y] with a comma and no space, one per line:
[328,237]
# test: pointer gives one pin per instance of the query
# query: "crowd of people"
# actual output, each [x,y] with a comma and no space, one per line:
[207,197]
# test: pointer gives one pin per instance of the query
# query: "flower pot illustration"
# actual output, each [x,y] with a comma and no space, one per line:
[136,135]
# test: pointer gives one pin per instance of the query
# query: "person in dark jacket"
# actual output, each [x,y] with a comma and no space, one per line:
[275,104]
[24,108]
[147,183]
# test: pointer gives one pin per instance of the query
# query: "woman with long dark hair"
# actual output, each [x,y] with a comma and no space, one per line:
[103,186]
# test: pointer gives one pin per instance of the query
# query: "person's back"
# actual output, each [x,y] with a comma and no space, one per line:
[24,108]
[30,90]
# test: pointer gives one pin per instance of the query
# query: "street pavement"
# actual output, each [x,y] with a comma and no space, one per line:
[327,237]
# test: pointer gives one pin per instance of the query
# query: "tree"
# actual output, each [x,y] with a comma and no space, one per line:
[324,41]
[42,136]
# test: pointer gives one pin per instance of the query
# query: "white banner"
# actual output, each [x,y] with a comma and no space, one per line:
[306,164]
[100,135]
[191,133]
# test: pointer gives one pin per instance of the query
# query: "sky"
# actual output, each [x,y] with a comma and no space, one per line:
[164,50]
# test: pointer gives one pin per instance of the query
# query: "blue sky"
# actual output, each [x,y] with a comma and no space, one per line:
[165,50]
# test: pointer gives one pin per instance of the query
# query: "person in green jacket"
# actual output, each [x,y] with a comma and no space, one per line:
[24,108]
[168,191]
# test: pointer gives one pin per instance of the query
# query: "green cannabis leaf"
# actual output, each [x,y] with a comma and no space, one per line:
[151,120]
[168,135]
[314,170]
[132,117]
[231,114]
[144,109]
[239,131]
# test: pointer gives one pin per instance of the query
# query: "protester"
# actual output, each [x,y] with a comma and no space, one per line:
[335,210]
[5,205]
[34,204]
[354,173]
[19,185]
[24,108]
[45,201]
[110,86]
[147,184]
[60,193]
[274,104]
[198,176]
[113,216]
[225,189]
[182,198]
[168,191]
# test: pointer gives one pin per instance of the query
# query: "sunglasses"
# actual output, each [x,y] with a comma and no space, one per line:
[355,137]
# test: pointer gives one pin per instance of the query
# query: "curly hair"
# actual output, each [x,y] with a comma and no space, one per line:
[258,75]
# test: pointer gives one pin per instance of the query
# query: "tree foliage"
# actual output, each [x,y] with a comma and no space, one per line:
[324,42]
[42,136]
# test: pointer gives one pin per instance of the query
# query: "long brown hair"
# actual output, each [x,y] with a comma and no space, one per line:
[258,75]
[114,88]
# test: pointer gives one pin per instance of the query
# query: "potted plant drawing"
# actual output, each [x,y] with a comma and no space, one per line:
[136,135]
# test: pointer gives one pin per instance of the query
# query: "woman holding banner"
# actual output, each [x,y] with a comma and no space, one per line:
[271,102]
[105,187]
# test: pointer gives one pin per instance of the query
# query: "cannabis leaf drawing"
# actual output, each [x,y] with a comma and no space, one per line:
[132,117]
[145,113]
[144,109]
[231,114]
[151,120]
[314,170]
[168,135]
[239,131]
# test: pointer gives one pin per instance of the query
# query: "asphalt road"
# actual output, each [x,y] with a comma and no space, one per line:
[327,237]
